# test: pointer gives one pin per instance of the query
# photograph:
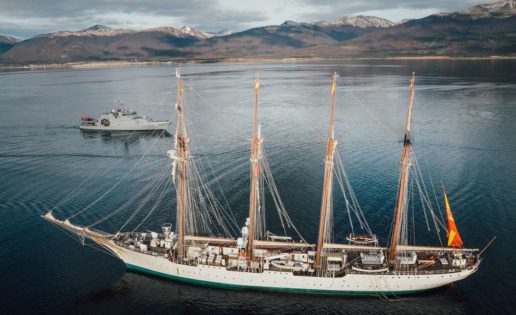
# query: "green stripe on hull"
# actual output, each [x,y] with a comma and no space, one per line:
[270,289]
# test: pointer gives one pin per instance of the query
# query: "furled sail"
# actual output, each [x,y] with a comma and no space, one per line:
[454,239]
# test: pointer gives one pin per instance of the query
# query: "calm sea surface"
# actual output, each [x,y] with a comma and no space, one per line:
[465,136]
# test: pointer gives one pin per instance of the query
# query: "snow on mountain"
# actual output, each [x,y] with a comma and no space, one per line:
[183,32]
[96,30]
[361,21]
[8,39]
[105,31]
[194,33]
[500,9]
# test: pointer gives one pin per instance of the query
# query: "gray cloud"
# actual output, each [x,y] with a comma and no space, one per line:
[30,17]
[70,8]
[329,8]
[358,6]
[25,18]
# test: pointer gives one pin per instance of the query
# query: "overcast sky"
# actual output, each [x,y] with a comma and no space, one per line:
[26,18]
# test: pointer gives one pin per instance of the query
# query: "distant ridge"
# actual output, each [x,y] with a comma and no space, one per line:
[222,32]
[96,30]
[481,30]
[7,42]
[500,10]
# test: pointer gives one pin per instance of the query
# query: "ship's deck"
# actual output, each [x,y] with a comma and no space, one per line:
[428,262]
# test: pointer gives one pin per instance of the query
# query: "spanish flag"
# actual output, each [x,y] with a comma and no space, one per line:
[454,239]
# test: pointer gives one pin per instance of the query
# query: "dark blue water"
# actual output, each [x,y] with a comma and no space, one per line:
[465,136]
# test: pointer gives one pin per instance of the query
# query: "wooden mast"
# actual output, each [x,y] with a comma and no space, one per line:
[255,171]
[403,184]
[181,156]
[328,175]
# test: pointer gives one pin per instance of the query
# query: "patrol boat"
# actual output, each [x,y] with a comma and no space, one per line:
[121,119]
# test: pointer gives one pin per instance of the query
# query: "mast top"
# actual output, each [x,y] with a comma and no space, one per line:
[334,82]
[257,83]
[410,105]
[331,131]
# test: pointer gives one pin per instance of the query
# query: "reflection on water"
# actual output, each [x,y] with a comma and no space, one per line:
[464,128]
[124,136]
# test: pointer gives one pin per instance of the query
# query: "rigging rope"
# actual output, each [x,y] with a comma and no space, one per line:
[278,202]
[384,126]
[118,182]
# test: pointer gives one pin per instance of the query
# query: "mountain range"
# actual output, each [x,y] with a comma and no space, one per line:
[482,30]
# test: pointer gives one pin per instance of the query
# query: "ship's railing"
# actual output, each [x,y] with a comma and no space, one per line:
[415,272]
[136,249]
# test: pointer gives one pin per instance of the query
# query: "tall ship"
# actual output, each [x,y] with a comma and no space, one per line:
[198,249]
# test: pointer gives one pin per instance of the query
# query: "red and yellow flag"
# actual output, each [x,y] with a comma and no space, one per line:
[454,239]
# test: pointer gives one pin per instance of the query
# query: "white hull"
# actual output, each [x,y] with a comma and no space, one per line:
[147,127]
[351,284]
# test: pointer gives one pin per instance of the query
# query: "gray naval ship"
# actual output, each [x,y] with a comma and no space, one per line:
[121,119]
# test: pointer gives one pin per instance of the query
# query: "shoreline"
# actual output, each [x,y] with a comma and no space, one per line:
[121,64]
